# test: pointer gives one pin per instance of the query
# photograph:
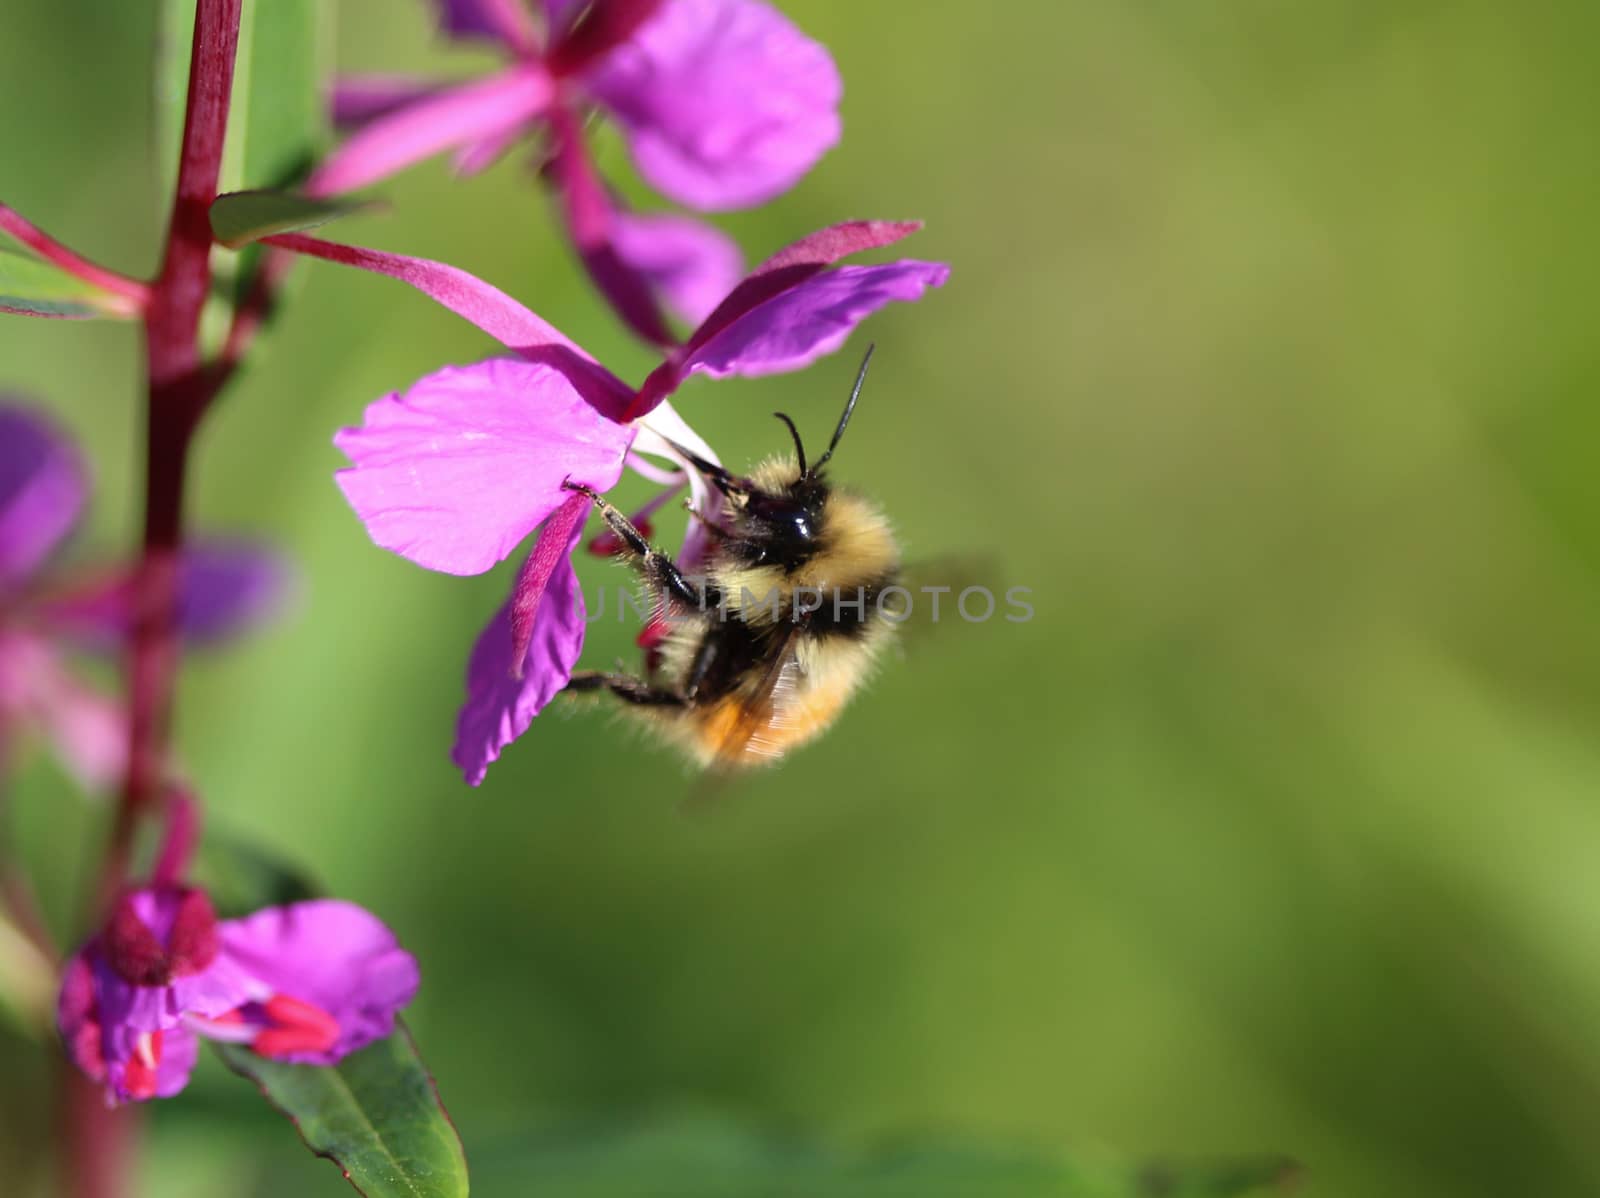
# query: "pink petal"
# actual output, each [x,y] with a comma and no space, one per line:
[799,325]
[507,21]
[334,955]
[42,490]
[590,216]
[360,99]
[692,264]
[90,734]
[787,269]
[179,1051]
[456,471]
[229,588]
[226,588]
[724,102]
[491,309]
[480,155]
[795,263]
[176,1062]
[88,731]
[432,124]
[500,707]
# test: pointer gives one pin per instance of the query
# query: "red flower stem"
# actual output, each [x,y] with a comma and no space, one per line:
[179,390]
[98,1143]
[48,248]
[97,1149]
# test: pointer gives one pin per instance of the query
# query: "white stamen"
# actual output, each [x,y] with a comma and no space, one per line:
[144,1047]
[655,474]
[656,429]
[227,1031]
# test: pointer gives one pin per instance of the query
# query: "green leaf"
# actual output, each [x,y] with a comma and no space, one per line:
[376,1115]
[32,287]
[278,119]
[174,33]
[277,123]
[27,983]
[714,1158]
[241,217]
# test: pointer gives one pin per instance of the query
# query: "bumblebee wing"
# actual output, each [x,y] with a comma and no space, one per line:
[763,707]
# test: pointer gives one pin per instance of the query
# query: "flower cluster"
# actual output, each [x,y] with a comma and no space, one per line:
[722,104]
[461,467]
[310,982]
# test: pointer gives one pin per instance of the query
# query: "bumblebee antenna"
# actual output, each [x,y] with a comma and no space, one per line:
[799,448]
[849,408]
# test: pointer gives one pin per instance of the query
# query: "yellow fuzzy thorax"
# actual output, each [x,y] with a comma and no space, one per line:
[778,675]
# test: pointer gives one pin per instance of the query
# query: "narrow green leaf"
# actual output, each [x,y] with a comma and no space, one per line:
[174,32]
[278,120]
[376,1115]
[32,287]
[714,1158]
[27,983]
[241,217]
[277,124]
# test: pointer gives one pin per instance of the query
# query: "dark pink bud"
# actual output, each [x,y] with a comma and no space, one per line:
[132,948]
[137,954]
[193,943]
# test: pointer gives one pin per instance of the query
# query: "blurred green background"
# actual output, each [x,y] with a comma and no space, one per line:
[1267,363]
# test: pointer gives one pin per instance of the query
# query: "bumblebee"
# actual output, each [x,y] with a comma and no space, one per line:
[775,630]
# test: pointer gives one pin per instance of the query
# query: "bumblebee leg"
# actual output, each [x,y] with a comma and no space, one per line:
[625,687]
[704,654]
[715,530]
[657,566]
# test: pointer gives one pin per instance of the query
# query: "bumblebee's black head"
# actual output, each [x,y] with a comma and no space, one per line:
[778,510]
[782,524]
[784,517]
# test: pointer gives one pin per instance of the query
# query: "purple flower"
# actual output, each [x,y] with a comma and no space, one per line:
[44,612]
[723,104]
[310,982]
[457,470]
[461,467]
